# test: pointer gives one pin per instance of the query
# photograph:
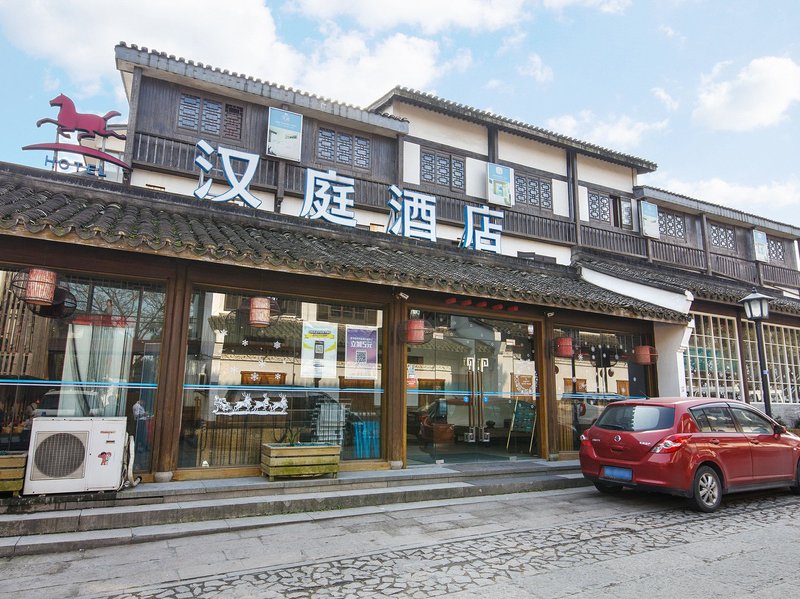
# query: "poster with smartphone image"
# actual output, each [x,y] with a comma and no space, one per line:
[318,357]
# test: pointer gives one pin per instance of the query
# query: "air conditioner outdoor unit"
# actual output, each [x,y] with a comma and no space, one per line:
[69,455]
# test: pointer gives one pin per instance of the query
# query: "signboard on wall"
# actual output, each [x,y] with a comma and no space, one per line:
[318,357]
[761,246]
[500,184]
[649,219]
[284,134]
[361,353]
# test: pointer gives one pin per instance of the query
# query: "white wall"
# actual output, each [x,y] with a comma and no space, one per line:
[599,172]
[680,302]
[443,129]
[185,186]
[476,179]
[583,203]
[527,152]
[411,159]
[671,342]
[560,198]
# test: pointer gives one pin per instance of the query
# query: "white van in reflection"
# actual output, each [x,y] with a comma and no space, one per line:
[68,402]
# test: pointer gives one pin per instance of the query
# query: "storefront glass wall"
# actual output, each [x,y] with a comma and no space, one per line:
[267,369]
[471,390]
[782,352]
[712,358]
[593,369]
[94,353]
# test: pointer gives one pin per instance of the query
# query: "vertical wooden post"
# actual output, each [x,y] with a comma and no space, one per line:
[394,396]
[171,371]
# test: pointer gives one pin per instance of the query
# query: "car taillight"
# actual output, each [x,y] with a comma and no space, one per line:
[670,444]
[585,440]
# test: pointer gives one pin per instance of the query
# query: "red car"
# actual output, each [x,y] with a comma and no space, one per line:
[696,448]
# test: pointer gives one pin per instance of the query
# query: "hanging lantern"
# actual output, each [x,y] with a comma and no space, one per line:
[645,355]
[36,286]
[563,347]
[260,311]
[415,331]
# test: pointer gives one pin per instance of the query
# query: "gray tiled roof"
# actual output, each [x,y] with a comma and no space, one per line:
[702,286]
[72,209]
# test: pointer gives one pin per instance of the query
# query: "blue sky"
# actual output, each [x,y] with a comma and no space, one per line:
[707,89]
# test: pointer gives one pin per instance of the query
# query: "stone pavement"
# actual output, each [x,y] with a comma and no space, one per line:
[562,543]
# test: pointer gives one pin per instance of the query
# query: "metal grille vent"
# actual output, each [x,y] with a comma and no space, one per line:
[60,455]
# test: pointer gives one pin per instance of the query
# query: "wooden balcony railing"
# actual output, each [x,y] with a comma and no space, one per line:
[778,275]
[735,268]
[614,241]
[678,255]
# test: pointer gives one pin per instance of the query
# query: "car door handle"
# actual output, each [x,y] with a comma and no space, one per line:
[754,441]
[714,441]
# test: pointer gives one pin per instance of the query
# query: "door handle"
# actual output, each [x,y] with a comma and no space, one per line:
[754,442]
[714,441]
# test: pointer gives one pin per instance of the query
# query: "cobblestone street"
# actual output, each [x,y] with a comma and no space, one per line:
[557,544]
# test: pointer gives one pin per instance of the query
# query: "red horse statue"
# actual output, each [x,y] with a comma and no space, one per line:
[88,125]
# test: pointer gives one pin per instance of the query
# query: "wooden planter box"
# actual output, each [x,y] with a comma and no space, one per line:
[12,470]
[303,459]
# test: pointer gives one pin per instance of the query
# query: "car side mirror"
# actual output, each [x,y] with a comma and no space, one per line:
[780,429]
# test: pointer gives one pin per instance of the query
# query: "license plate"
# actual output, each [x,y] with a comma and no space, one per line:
[617,473]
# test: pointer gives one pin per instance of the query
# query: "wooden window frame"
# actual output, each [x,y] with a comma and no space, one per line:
[223,123]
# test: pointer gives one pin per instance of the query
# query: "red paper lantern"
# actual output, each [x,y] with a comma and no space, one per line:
[260,311]
[40,288]
[645,355]
[415,331]
[563,347]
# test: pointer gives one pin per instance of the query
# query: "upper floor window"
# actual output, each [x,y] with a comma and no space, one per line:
[533,191]
[343,148]
[599,206]
[776,250]
[439,168]
[210,117]
[722,236]
[671,224]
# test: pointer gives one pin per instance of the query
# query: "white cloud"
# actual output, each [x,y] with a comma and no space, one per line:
[346,68]
[668,101]
[618,133]
[759,96]
[777,200]
[79,38]
[429,16]
[514,40]
[536,69]
[606,6]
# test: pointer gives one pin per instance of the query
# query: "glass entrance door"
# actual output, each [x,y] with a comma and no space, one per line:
[471,391]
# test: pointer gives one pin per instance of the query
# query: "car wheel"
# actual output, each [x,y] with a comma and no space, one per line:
[795,488]
[608,488]
[707,489]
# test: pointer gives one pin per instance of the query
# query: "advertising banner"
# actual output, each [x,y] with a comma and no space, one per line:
[318,357]
[284,134]
[761,246]
[361,353]
[649,219]
[500,184]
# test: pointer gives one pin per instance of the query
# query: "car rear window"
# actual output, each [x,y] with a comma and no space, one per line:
[636,418]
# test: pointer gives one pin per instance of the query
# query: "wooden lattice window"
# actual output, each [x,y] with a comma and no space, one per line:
[722,236]
[446,170]
[671,224]
[210,117]
[533,191]
[599,206]
[343,148]
[777,253]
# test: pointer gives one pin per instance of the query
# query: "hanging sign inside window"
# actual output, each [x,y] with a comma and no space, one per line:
[361,353]
[284,134]
[761,246]
[649,220]
[500,184]
[318,357]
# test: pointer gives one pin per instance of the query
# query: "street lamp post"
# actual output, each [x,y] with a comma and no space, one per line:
[756,307]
